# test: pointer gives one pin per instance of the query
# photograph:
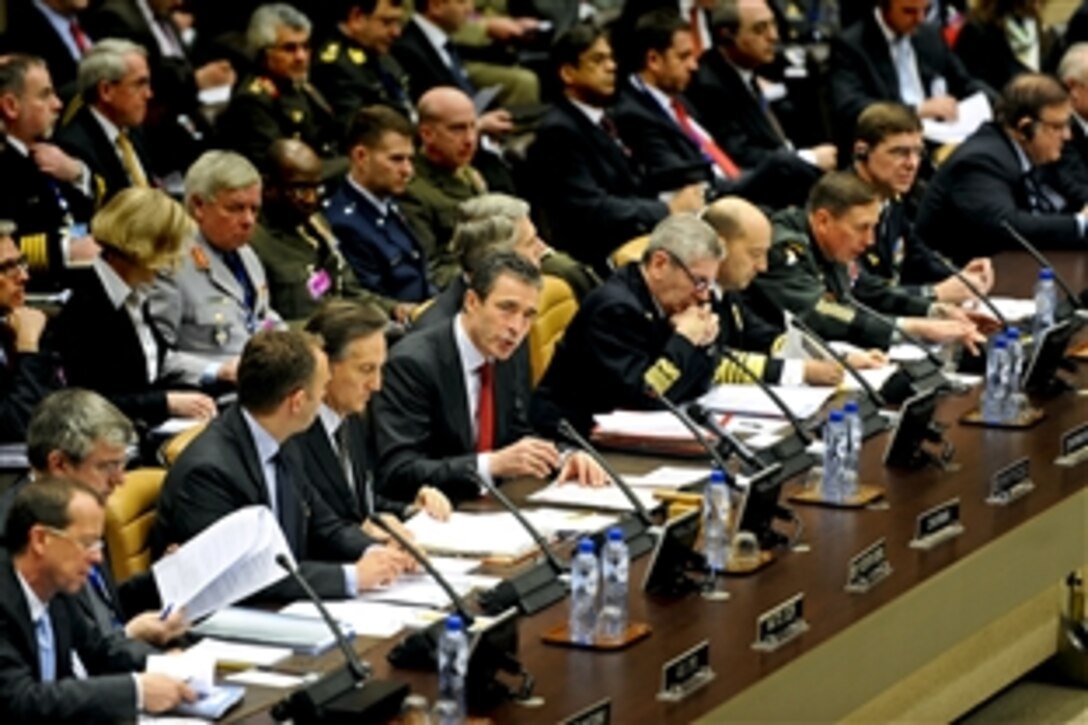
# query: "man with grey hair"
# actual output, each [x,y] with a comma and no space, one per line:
[279,101]
[79,435]
[646,332]
[1073,73]
[115,86]
[218,297]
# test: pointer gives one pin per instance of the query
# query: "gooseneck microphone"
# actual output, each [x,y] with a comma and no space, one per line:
[914,340]
[973,289]
[567,431]
[838,357]
[704,417]
[1043,262]
[688,423]
[767,390]
[507,504]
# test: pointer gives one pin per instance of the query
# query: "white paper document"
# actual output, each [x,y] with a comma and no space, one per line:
[226,562]
[472,534]
[971,113]
[422,591]
[605,498]
[750,400]
[668,477]
[1013,310]
[239,653]
[370,619]
[275,680]
[173,426]
[566,521]
[194,668]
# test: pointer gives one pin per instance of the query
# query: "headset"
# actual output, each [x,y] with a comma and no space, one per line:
[1026,126]
[861,154]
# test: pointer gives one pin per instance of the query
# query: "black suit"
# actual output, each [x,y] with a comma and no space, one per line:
[594,195]
[219,473]
[618,344]
[83,136]
[1073,166]
[423,65]
[862,71]
[421,416]
[981,186]
[352,77]
[101,350]
[109,695]
[446,305]
[26,378]
[750,337]
[898,255]
[29,31]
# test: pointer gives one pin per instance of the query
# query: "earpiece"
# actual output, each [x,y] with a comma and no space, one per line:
[1027,128]
[861,153]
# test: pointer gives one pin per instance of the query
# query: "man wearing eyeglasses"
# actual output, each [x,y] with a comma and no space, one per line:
[888,150]
[646,332]
[27,374]
[54,665]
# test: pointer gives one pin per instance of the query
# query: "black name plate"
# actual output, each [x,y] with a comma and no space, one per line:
[1074,446]
[938,524]
[781,623]
[868,567]
[599,713]
[686,673]
[1010,483]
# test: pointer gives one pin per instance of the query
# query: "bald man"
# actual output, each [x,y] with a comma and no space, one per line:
[745,234]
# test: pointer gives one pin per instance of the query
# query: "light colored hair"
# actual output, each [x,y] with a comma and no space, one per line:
[7,228]
[474,239]
[494,204]
[1074,63]
[105,63]
[72,421]
[217,171]
[687,237]
[144,225]
[267,19]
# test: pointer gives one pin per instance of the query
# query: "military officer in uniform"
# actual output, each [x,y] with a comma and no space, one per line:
[218,297]
[354,67]
[280,102]
[813,273]
[888,149]
[296,245]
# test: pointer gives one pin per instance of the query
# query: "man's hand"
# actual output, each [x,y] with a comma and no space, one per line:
[496,123]
[691,198]
[379,566]
[823,372]
[28,324]
[216,73]
[190,405]
[53,162]
[986,323]
[944,108]
[528,457]
[827,156]
[867,359]
[981,272]
[378,534]
[942,331]
[162,693]
[151,628]
[503,28]
[228,371]
[82,251]
[584,470]
[698,324]
[434,503]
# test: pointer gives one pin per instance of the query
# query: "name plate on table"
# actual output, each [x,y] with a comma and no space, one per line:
[686,673]
[1074,447]
[938,524]
[1010,483]
[599,713]
[780,624]
[868,568]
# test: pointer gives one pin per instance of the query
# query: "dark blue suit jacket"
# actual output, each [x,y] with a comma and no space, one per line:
[383,251]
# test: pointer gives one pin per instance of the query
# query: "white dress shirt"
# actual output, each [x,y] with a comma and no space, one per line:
[471,360]
[121,295]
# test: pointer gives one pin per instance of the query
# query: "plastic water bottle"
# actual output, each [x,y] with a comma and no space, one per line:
[716,522]
[996,393]
[585,580]
[835,443]
[1015,382]
[1046,302]
[612,619]
[449,708]
[855,435]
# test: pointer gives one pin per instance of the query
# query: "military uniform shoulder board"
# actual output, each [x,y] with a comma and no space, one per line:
[263,86]
[330,52]
[661,375]
[835,311]
[874,259]
[357,55]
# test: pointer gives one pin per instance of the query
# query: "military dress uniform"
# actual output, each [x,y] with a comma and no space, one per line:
[819,291]
[901,258]
[352,77]
[750,338]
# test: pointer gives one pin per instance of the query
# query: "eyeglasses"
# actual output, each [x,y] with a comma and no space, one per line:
[902,153]
[1055,126]
[88,547]
[14,264]
[701,284]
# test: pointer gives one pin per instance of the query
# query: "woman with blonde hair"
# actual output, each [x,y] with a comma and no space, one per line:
[106,338]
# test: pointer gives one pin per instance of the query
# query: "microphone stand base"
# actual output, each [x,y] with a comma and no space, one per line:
[338,698]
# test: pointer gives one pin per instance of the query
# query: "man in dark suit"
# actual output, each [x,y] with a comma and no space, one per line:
[240,460]
[728,93]
[1005,174]
[1073,73]
[43,190]
[647,331]
[54,538]
[27,374]
[79,435]
[593,191]
[894,55]
[336,447]
[52,30]
[115,86]
[387,257]
[454,404]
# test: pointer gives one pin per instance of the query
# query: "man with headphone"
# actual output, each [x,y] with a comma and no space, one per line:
[888,151]
[1005,174]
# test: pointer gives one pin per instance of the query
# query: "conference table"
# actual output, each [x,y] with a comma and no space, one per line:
[946,629]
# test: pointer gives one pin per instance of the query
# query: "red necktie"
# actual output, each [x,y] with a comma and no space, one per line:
[710,149]
[80,38]
[485,411]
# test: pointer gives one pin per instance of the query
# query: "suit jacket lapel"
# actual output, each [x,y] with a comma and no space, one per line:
[236,426]
[880,53]
[457,410]
[321,449]
[219,273]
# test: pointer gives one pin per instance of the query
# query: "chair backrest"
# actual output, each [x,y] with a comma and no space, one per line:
[172,448]
[628,252]
[421,308]
[557,308]
[130,514]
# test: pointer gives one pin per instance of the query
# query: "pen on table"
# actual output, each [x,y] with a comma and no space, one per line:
[166,612]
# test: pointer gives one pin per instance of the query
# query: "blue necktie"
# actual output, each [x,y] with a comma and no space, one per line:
[459,72]
[47,656]
[237,267]
[98,582]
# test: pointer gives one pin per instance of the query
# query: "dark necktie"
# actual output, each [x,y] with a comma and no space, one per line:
[288,505]
[237,267]
[485,412]
[102,591]
[765,106]
[609,127]
[79,37]
[343,454]
[460,75]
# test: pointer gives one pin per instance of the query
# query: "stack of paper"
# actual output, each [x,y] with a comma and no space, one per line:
[472,534]
[605,498]
[236,653]
[422,591]
[370,619]
[750,400]
[302,635]
[643,424]
[669,477]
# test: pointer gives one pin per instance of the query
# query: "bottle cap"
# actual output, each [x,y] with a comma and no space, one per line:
[454,623]
[1013,333]
[1046,273]
[835,416]
[851,407]
[1001,343]
[717,476]
[585,546]
[615,534]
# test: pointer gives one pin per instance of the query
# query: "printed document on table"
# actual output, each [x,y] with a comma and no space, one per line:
[226,562]
[669,477]
[604,498]
[472,534]
[240,653]
[971,113]
[421,590]
[370,619]
[750,400]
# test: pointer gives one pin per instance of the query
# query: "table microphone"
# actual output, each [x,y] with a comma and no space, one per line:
[533,532]
[683,417]
[913,339]
[874,396]
[973,289]
[704,417]
[1043,262]
[767,390]
[567,431]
